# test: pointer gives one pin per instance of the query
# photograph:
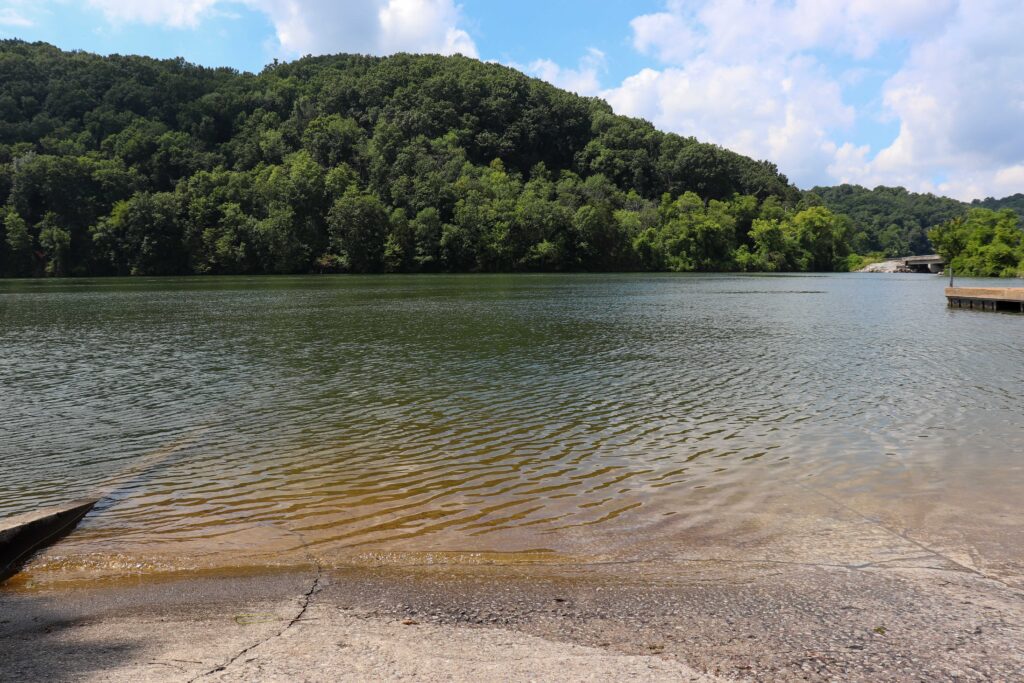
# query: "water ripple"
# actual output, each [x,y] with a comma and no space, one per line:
[488,413]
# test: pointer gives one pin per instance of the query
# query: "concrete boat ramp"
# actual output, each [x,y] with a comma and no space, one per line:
[696,621]
[22,535]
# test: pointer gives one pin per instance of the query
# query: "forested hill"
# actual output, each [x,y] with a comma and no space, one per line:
[130,165]
[890,219]
[1014,202]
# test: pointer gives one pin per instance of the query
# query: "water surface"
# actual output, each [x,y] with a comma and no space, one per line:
[249,421]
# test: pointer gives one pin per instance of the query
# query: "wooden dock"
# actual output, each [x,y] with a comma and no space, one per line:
[986,298]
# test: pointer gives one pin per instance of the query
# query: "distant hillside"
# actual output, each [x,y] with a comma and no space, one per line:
[890,219]
[1015,202]
[895,221]
[131,165]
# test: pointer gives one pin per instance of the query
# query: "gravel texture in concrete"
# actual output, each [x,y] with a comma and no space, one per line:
[698,621]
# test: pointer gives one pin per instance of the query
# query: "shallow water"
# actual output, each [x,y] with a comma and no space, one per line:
[256,421]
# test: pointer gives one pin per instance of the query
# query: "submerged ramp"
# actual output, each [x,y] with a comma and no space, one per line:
[22,535]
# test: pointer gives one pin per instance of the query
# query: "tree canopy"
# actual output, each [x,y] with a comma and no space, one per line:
[1014,202]
[889,220]
[984,243]
[126,165]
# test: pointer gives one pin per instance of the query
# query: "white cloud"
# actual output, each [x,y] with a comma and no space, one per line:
[11,17]
[322,26]
[585,79]
[371,26]
[423,26]
[750,28]
[780,110]
[180,14]
[959,99]
[767,78]
[666,35]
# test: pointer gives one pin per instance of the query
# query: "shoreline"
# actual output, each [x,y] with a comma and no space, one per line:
[700,620]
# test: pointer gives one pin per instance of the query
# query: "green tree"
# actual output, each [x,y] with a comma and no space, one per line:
[232,243]
[597,240]
[358,227]
[400,245]
[333,140]
[143,236]
[950,238]
[823,238]
[773,248]
[891,219]
[409,162]
[985,243]
[427,230]
[55,242]
[285,239]
[696,236]
[18,241]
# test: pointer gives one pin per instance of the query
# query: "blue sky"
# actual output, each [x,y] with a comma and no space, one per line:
[928,94]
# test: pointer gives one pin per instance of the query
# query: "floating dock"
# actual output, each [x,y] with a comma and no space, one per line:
[986,298]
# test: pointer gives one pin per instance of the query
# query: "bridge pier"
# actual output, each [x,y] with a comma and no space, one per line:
[933,263]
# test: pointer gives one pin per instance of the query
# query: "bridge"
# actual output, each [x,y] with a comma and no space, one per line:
[932,263]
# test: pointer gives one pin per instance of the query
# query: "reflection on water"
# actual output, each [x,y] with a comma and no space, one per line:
[262,420]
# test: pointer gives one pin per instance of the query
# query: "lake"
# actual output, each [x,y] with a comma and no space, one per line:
[247,422]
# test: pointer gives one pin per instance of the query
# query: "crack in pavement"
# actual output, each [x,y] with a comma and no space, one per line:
[306,599]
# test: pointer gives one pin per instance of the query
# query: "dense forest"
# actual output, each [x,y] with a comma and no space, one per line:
[130,165]
[983,243]
[890,220]
[411,163]
[1014,202]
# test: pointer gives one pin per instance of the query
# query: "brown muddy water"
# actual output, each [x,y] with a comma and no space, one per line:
[235,423]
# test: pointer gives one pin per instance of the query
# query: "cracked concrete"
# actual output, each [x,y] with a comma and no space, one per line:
[699,621]
[303,607]
[304,603]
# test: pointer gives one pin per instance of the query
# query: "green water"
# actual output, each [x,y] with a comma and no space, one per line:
[268,418]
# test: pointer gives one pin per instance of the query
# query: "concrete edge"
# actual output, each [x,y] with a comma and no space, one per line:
[21,535]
